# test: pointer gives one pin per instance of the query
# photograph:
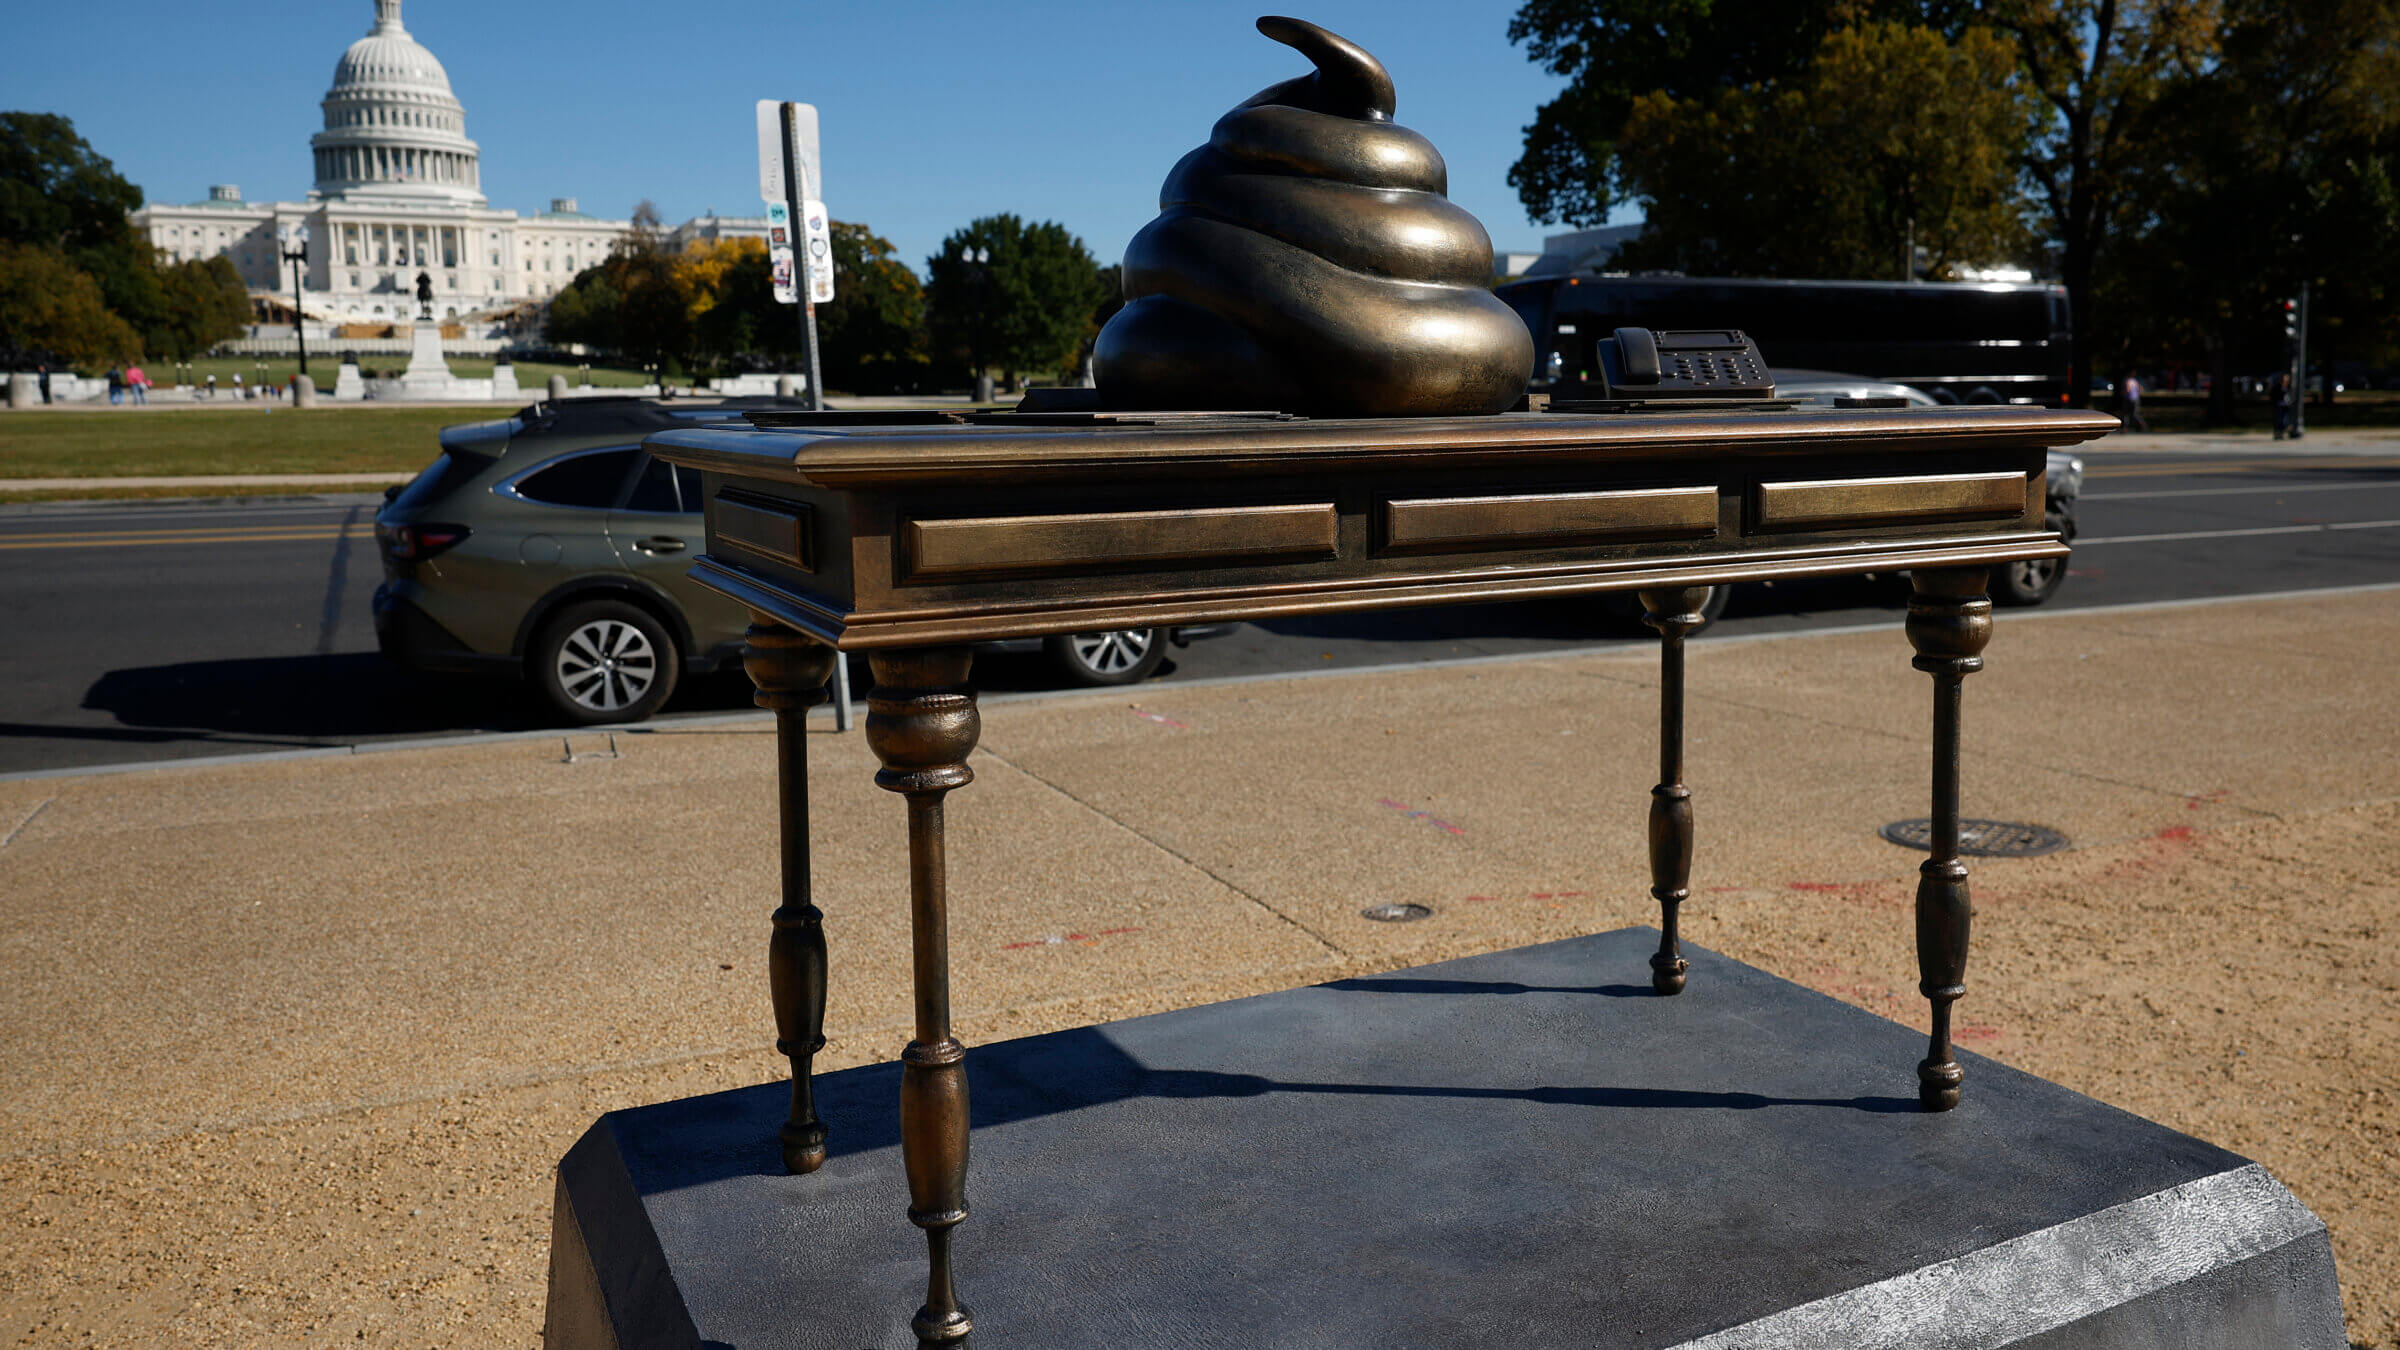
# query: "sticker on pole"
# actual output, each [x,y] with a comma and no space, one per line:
[780,266]
[817,236]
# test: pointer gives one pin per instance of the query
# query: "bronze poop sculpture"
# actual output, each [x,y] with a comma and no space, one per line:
[1307,259]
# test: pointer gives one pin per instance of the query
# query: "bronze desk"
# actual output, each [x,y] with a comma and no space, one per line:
[908,539]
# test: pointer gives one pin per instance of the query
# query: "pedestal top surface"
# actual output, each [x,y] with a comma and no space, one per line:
[1524,1148]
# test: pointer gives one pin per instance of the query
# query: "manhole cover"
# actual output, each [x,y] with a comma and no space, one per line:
[1980,838]
[1397,913]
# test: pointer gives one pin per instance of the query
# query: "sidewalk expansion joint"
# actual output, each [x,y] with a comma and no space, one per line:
[28,820]
[1179,856]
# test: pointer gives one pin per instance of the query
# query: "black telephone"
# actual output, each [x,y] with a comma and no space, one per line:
[1643,364]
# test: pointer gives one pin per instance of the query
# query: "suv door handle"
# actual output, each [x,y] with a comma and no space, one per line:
[659,543]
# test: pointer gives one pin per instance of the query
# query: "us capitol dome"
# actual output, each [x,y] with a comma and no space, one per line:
[392,126]
[398,191]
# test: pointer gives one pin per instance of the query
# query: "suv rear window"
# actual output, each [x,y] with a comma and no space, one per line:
[579,480]
[449,471]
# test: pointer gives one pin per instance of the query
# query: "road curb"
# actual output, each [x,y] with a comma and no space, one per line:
[1627,646]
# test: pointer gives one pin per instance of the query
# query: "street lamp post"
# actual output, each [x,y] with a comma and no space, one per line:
[976,260]
[297,256]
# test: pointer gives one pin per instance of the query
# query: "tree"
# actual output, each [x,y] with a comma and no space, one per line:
[203,303]
[638,301]
[871,336]
[1612,52]
[51,310]
[2103,66]
[55,190]
[1891,134]
[1025,310]
[2262,167]
[584,313]
[734,313]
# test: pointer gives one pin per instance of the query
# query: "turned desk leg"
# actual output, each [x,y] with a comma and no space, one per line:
[790,671]
[1674,613]
[1949,621]
[922,722]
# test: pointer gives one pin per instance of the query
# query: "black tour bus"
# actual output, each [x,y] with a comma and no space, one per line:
[1961,342]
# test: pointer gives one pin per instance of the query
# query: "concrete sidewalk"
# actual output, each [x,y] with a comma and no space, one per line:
[290,1047]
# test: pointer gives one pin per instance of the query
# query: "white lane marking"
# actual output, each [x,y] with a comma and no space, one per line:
[2234,491]
[2238,534]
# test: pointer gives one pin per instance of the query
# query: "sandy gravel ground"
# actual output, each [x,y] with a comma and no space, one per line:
[339,1124]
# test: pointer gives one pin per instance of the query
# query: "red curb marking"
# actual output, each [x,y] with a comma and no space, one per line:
[1816,886]
[1161,718]
[2179,832]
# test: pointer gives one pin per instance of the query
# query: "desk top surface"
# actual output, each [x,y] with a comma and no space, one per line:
[891,530]
[861,449]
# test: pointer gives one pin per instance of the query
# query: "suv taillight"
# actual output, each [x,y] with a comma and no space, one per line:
[413,543]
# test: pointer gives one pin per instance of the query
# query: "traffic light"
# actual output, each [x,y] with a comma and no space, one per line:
[2291,320]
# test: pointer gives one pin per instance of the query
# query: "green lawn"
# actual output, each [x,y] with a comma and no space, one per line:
[323,364]
[239,438]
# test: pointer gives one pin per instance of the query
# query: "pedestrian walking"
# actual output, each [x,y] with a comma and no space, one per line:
[2280,394]
[237,385]
[138,381]
[2130,400]
[212,385]
[43,378]
[116,385]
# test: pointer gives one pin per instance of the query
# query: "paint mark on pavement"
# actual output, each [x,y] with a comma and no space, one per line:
[1412,813]
[1066,939]
[1161,718]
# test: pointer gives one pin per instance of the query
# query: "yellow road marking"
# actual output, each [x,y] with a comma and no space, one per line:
[155,538]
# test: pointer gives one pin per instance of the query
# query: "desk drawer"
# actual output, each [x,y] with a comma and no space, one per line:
[1840,503]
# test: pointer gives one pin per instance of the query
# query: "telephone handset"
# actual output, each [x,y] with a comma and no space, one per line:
[1638,350]
[1645,364]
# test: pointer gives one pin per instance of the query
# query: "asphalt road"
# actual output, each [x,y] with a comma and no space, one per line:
[136,632]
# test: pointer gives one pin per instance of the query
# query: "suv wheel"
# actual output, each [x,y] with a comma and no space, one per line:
[2034,580]
[604,661]
[1120,656]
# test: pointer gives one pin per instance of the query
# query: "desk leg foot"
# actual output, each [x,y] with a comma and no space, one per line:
[1949,622]
[922,724]
[1674,613]
[790,671]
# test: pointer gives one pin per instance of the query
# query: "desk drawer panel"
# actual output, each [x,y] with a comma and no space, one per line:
[776,530]
[1426,524]
[1832,503]
[1108,539]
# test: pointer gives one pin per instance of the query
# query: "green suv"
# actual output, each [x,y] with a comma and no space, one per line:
[550,545]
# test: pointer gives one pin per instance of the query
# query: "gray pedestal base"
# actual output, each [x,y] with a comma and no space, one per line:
[1521,1149]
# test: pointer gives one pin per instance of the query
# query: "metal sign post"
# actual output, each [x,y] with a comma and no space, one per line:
[791,182]
[794,179]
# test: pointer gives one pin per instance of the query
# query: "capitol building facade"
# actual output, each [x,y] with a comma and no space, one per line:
[399,191]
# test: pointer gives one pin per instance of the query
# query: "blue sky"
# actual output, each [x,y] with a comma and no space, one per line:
[932,113]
